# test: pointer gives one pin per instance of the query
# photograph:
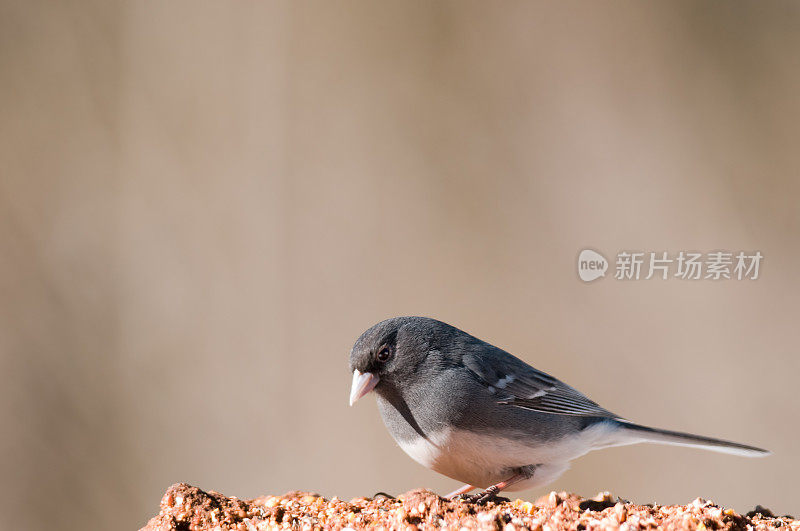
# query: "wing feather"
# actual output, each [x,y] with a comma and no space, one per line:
[517,384]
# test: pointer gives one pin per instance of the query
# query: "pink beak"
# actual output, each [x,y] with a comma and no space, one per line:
[362,384]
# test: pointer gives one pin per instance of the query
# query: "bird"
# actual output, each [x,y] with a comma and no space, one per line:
[477,414]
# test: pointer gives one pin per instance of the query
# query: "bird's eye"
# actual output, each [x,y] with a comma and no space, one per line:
[384,354]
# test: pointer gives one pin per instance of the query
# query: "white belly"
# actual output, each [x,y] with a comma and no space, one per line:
[482,460]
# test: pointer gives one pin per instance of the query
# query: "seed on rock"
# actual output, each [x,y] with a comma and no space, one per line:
[528,507]
[271,502]
[621,512]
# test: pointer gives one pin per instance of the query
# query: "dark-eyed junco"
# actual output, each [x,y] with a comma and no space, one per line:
[477,414]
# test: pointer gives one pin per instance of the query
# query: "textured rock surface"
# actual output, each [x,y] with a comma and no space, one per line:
[184,507]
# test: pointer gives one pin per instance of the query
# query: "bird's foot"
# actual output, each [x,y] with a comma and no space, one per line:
[490,493]
[481,497]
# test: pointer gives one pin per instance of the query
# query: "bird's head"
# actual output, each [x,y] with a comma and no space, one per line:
[391,351]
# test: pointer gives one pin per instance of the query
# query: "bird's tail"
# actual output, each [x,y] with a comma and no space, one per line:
[638,433]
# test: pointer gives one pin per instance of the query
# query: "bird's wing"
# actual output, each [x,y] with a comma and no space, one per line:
[516,383]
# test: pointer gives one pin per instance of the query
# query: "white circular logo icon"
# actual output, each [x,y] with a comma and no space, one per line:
[591,265]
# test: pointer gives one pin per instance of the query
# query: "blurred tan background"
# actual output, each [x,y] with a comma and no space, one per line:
[202,205]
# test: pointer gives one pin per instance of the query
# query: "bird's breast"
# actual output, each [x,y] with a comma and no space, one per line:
[479,459]
[424,450]
[484,458]
[459,454]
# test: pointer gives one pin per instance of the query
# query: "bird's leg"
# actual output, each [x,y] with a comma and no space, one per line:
[491,492]
[463,490]
[521,474]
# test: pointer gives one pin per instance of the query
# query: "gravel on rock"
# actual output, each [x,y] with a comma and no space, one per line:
[184,507]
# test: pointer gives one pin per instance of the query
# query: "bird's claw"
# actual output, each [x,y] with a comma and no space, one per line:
[482,497]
